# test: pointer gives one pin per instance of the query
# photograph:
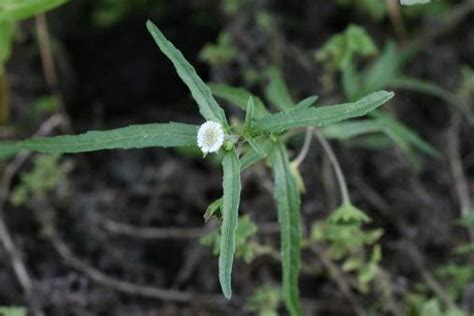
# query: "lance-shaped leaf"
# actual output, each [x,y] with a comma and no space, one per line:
[22,9]
[208,107]
[323,115]
[134,136]
[238,97]
[260,147]
[277,90]
[288,204]
[230,207]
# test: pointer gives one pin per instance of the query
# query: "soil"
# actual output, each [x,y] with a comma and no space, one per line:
[115,76]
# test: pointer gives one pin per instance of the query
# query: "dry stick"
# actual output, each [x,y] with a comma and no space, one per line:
[339,278]
[117,228]
[417,259]
[6,240]
[131,288]
[396,19]
[452,20]
[459,178]
[49,68]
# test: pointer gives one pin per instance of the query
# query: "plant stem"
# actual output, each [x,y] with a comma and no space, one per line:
[335,164]
[304,150]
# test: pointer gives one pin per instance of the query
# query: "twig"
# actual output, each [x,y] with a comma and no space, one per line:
[6,240]
[132,288]
[114,227]
[393,7]
[459,178]
[417,259]
[338,276]
[49,68]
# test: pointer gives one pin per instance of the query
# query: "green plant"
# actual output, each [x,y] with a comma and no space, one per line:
[47,172]
[265,301]
[260,136]
[219,53]
[12,11]
[12,311]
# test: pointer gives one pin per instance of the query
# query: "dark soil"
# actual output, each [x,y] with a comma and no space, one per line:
[116,76]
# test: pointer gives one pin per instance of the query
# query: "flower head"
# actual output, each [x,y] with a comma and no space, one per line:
[210,137]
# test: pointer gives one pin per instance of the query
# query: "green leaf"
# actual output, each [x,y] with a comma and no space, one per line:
[12,311]
[386,68]
[134,136]
[412,2]
[402,134]
[249,115]
[220,53]
[306,103]
[6,41]
[427,87]
[230,207]
[208,107]
[260,148]
[23,9]
[348,214]
[238,97]
[324,115]
[350,129]
[213,210]
[277,91]
[340,49]
[288,204]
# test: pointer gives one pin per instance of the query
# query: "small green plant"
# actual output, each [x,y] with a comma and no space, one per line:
[47,172]
[219,53]
[12,11]
[265,301]
[12,311]
[260,137]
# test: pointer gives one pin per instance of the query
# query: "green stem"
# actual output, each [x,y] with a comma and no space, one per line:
[337,167]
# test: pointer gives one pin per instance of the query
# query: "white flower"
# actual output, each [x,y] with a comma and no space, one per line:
[411,2]
[210,137]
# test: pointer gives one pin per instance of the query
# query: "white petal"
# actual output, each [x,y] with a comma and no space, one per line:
[210,137]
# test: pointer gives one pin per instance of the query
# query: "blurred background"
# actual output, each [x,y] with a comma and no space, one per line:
[123,233]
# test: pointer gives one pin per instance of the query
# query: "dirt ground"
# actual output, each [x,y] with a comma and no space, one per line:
[115,76]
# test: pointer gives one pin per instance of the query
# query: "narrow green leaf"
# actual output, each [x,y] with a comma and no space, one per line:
[260,148]
[208,107]
[23,9]
[249,115]
[277,91]
[238,97]
[427,87]
[387,66]
[324,115]
[288,204]
[350,129]
[230,207]
[306,103]
[402,134]
[134,136]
